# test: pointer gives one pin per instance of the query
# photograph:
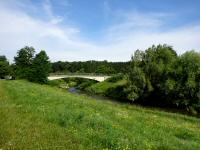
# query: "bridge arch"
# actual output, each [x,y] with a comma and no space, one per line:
[96,78]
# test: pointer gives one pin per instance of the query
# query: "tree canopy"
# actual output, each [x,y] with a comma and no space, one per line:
[98,67]
[31,67]
[4,67]
[40,68]
[23,62]
[158,76]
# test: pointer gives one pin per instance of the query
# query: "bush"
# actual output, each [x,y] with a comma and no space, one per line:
[196,107]
[117,92]
[115,78]
[55,82]
[86,84]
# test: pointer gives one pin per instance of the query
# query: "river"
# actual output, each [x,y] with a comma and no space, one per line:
[75,90]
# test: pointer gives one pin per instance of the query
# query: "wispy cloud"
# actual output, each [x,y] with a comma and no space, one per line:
[131,23]
[48,10]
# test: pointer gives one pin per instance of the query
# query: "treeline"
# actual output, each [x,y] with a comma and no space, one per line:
[158,76]
[98,67]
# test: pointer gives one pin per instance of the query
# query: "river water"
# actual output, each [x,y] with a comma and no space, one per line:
[75,90]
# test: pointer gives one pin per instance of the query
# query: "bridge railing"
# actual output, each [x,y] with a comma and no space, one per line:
[79,74]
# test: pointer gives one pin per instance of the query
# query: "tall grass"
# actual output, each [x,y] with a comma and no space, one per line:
[36,116]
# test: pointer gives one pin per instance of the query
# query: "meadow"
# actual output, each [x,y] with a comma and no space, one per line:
[34,116]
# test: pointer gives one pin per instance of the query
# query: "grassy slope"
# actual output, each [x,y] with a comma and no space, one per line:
[41,117]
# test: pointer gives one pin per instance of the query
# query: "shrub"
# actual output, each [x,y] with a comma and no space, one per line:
[115,78]
[117,92]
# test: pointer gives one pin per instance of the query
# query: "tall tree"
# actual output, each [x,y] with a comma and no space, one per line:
[151,73]
[188,79]
[4,67]
[40,68]
[23,62]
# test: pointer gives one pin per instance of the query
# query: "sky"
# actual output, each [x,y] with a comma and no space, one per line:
[79,30]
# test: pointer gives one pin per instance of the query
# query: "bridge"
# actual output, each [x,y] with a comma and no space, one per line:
[91,77]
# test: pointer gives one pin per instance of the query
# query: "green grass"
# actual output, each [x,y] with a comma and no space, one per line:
[102,87]
[36,116]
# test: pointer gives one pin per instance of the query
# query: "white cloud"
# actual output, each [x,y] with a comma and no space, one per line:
[182,39]
[48,9]
[19,29]
[131,31]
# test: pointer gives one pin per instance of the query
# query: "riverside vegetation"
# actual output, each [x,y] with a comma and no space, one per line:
[156,77]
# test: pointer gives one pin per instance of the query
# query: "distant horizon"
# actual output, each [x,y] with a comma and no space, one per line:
[76,30]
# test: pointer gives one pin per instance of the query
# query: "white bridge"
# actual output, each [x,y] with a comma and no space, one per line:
[91,77]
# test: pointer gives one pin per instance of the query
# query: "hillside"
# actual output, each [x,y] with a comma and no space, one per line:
[34,116]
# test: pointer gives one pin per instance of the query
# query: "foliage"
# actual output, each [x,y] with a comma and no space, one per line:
[40,68]
[100,67]
[86,83]
[103,69]
[117,92]
[136,83]
[4,67]
[115,78]
[30,67]
[56,83]
[13,70]
[42,117]
[109,89]
[159,77]
[188,79]
[23,62]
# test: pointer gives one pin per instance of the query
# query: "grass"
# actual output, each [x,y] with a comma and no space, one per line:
[102,87]
[36,116]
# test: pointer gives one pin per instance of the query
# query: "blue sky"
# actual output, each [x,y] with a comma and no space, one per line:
[98,29]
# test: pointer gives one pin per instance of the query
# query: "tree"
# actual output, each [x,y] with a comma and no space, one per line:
[159,77]
[40,68]
[104,69]
[92,66]
[4,67]
[188,79]
[150,72]
[136,83]
[23,62]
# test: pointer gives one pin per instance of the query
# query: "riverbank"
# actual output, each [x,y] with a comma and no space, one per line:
[109,90]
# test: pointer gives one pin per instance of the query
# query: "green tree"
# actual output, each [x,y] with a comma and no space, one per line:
[150,72]
[136,83]
[188,78]
[104,69]
[40,68]
[23,62]
[158,76]
[4,67]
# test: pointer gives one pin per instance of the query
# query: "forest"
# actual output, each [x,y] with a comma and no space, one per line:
[96,67]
